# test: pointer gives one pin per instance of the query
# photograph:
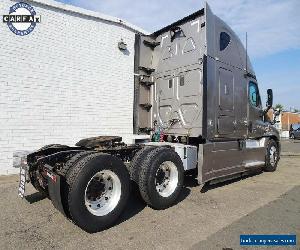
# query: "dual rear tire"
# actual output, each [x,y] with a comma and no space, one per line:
[161,177]
[97,186]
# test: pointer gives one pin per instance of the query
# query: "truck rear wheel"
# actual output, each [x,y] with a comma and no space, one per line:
[161,178]
[136,162]
[272,156]
[98,191]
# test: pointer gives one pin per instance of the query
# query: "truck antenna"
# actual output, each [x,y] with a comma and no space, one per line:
[246,53]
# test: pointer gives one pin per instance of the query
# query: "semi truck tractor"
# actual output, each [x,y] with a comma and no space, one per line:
[198,104]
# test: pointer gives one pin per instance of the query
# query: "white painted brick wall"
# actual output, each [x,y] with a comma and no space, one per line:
[65,81]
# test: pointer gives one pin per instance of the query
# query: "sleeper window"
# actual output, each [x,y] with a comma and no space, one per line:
[224,40]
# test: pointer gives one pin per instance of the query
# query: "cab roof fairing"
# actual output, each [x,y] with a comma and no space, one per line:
[213,25]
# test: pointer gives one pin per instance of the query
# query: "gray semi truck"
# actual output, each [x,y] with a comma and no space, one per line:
[197,100]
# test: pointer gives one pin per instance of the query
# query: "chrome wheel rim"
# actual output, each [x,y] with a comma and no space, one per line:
[166,179]
[102,193]
[273,155]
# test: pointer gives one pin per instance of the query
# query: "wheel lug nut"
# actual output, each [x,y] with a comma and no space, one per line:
[106,198]
[98,205]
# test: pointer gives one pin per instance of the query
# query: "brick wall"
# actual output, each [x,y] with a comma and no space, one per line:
[288,118]
[285,120]
[65,81]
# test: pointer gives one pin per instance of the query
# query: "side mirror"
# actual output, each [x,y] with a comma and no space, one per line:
[270,98]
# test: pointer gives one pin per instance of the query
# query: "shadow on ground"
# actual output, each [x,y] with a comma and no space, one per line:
[35,197]
[209,186]
[136,204]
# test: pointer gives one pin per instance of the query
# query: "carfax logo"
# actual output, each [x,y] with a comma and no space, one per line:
[21,19]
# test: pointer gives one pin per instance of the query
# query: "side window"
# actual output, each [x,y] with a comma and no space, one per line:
[254,97]
[224,40]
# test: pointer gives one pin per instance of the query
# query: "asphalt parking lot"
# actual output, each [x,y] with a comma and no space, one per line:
[209,218]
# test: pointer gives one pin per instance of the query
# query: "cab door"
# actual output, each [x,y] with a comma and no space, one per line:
[255,113]
[226,111]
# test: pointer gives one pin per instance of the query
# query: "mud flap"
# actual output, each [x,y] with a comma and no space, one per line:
[23,180]
[54,189]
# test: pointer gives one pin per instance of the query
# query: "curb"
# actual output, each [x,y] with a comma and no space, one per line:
[289,154]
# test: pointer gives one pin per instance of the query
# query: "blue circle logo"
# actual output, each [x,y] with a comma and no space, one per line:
[22,19]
